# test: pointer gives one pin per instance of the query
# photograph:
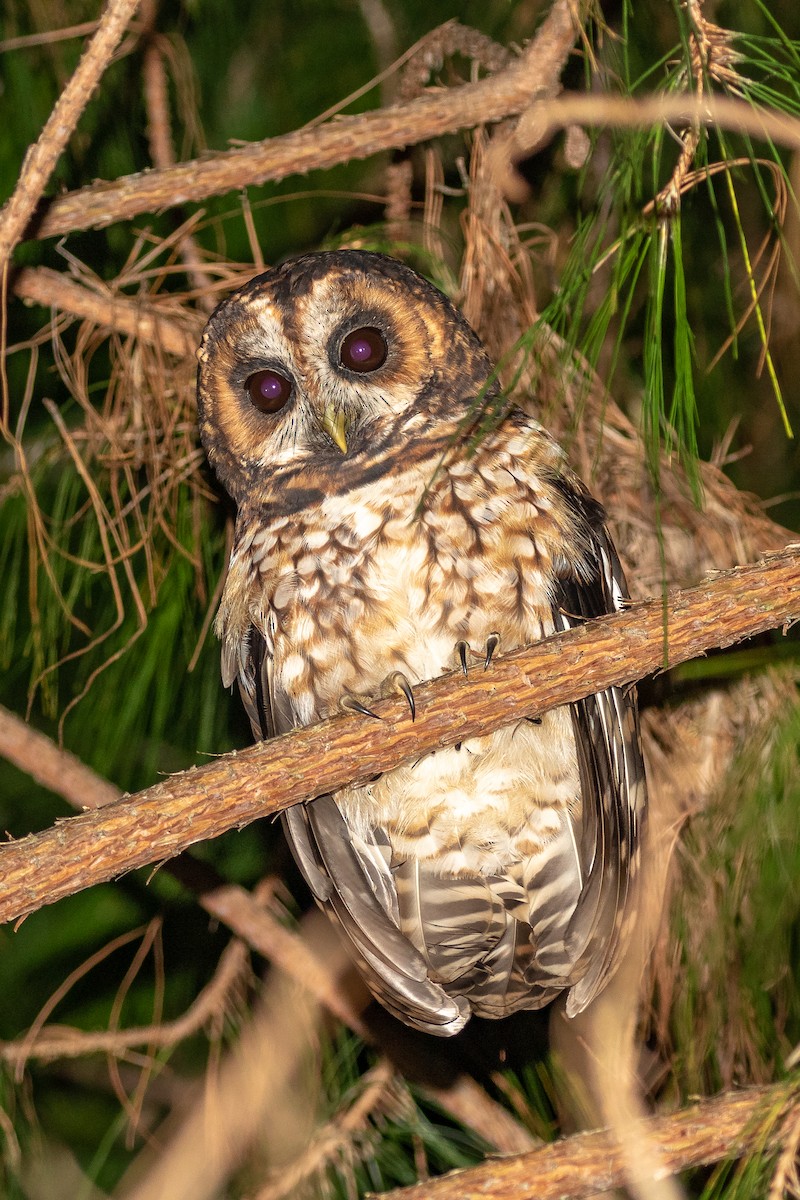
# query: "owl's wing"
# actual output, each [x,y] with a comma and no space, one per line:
[249,664]
[348,875]
[613,786]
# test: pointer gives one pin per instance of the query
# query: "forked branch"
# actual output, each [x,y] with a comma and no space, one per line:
[235,789]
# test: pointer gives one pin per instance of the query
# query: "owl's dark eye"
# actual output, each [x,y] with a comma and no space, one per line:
[363,350]
[268,390]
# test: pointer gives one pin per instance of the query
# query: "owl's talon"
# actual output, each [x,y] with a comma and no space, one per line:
[462,649]
[492,642]
[397,682]
[353,704]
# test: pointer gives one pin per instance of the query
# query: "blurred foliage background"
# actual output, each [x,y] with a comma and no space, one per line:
[118,660]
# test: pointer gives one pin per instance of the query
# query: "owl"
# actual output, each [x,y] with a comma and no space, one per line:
[378,543]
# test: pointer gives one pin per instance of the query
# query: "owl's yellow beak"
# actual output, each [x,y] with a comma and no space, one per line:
[334,423]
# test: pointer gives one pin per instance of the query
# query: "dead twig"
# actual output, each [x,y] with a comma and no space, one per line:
[247,917]
[44,154]
[133,318]
[238,788]
[63,773]
[53,1042]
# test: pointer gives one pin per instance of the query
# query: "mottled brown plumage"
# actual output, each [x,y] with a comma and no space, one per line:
[372,544]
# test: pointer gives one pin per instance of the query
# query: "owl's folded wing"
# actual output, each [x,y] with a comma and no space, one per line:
[613,787]
[349,877]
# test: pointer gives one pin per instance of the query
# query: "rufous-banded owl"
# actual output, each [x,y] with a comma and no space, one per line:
[378,545]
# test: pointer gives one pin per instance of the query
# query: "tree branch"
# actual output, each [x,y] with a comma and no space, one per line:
[176,334]
[588,1163]
[246,916]
[504,94]
[238,788]
[349,138]
[43,156]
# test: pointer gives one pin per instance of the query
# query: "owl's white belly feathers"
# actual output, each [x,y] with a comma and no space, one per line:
[377,608]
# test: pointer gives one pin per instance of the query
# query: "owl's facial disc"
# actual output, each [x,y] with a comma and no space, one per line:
[332,355]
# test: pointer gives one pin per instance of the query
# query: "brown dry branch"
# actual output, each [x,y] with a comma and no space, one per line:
[155,88]
[247,917]
[52,1042]
[545,117]
[727,1126]
[430,116]
[507,93]
[238,788]
[134,318]
[44,154]
[55,768]
[52,766]
[48,37]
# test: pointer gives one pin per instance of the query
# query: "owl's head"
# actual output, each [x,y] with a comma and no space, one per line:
[331,356]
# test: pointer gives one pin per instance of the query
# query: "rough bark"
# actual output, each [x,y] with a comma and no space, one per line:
[233,790]
[589,1163]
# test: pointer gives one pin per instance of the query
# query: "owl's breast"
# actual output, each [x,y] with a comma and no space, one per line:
[377,584]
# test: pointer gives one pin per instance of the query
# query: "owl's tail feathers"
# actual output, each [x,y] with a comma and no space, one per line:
[351,880]
[472,935]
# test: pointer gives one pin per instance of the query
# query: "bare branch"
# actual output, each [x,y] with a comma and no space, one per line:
[55,768]
[505,94]
[589,1163]
[43,156]
[245,915]
[429,116]
[135,318]
[52,1042]
[238,788]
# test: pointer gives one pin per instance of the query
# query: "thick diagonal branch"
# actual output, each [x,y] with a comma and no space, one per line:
[504,94]
[429,116]
[590,1163]
[238,788]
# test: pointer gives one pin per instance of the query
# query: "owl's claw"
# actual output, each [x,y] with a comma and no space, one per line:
[492,642]
[353,704]
[462,649]
[397,682]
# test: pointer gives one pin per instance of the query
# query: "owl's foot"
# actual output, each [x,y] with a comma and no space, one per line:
[394,684]
[492,642]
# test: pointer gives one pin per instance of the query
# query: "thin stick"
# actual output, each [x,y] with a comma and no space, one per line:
[135,318]
[61,772]
[238,788]
[61,1042]
[43,156]
[246,916]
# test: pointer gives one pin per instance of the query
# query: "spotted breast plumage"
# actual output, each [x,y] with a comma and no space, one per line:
[376,546]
